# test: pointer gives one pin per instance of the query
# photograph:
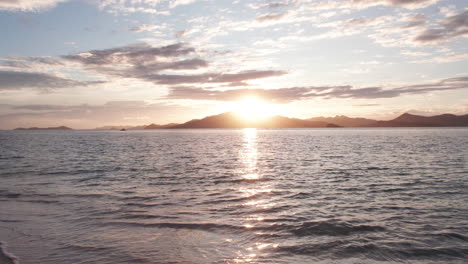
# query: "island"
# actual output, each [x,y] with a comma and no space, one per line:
[232,120]
[44,128]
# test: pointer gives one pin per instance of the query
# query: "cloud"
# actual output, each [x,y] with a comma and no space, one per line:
[234,78]
[362,4]
[281,95]
[133,54]
[273,5]
[183,33]
[449,28]
[270,17]
[286,95]
[366,105]
[145,27]
[28,62]
[28,5]
[14,80]
[152,64]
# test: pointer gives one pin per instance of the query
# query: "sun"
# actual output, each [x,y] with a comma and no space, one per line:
[253,108]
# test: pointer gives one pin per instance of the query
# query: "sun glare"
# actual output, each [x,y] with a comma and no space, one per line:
[253,108]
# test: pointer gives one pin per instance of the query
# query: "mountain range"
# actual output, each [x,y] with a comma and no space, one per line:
[232,120]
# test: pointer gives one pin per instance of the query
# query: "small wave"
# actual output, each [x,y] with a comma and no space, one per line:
[12,157]
[149,205]
[373,251]
[377,168]
[451,235]
[89,178]
[6,194]
[86,247]
[138,198]
[329,228]
[242,180]
[145,216]
[192,226]
[41,201]
[232,200]
[311,249]
[5,256]
[10,220]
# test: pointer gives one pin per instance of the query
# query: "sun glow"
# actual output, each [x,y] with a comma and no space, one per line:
[252,108]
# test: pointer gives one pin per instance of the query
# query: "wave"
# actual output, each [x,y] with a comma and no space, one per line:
[451,235]
[5,256]
[145,216]
[192,226]
[12,157]
[331,228]
[306,229]
[348,249]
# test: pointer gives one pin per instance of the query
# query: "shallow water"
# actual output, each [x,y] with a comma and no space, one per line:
[235,196]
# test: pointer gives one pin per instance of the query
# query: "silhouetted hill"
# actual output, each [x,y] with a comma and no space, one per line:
[120,127]
[345,121]
[409,120]
[232,120]
[155,126]
[44,128]
[150,126]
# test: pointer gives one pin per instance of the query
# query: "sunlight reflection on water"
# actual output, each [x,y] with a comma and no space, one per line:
[249,156]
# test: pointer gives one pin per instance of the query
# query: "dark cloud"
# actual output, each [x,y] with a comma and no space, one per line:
[28,61]
[282,95]
[41,107]
[417,20]
[409,4]
[189,64]
[142,71]
[134,54]
[274,5]
[13,80]
[234,78]
[270,17]
[182,33]
[450,27]
[148,63]
[285,95]
[401,3]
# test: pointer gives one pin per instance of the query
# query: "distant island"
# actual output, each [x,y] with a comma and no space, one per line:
[44,128]
[232,120]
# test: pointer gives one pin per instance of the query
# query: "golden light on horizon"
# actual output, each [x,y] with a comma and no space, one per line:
[253,108]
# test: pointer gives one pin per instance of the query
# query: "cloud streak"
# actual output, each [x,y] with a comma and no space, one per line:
[28,5]
[14,80]
[286,95]
[362,4]
[151,64]
[450,27]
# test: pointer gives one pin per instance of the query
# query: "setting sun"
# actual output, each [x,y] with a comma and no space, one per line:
[253,108]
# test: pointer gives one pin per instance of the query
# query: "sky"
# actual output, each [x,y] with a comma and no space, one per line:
[87,63]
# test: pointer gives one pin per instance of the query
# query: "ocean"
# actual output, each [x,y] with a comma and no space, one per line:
[367,195]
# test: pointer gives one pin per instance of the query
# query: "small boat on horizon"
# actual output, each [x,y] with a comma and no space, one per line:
[123,129]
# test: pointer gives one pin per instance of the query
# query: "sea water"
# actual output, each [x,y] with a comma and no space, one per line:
[382,195]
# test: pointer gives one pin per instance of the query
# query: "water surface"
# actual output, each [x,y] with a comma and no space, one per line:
[392,195]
